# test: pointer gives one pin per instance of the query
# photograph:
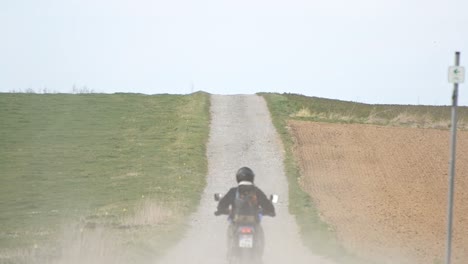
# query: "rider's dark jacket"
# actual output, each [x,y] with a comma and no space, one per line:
[227,201]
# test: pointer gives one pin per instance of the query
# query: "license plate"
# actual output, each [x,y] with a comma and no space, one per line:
[245,241]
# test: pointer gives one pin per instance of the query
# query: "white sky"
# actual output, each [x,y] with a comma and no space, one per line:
[395,51]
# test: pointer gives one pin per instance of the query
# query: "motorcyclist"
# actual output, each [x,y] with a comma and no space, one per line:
[227,205]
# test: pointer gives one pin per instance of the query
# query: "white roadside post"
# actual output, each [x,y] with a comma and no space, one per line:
[456,75]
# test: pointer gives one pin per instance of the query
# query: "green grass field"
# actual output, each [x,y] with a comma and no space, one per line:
[283,107]
[92,160]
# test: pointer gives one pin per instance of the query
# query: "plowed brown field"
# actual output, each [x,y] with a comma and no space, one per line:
[384,189]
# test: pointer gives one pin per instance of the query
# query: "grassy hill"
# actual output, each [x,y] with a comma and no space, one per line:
[301,107]
[92,160]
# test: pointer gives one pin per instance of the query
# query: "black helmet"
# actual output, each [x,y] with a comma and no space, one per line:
[245,174]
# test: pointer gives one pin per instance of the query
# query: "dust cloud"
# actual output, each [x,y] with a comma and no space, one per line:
[100,241]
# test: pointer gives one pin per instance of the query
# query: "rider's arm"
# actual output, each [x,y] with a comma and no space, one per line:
[265,203]
[226,201]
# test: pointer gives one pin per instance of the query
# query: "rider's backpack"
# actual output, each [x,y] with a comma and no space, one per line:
[246,204]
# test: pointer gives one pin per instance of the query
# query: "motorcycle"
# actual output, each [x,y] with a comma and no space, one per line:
[245,236]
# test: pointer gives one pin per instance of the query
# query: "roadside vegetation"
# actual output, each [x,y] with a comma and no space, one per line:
[316,234]
[78,166]
[301,107]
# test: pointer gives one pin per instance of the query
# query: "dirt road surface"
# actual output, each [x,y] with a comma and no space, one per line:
[242,134]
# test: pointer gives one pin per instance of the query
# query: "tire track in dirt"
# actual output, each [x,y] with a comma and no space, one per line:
[242,134]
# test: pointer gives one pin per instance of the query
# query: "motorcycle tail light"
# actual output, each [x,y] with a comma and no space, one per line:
[246,230]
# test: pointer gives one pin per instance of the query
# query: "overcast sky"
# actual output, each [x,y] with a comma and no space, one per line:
[395,51]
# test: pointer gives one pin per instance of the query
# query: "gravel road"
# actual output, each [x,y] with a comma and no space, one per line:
[242,134]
